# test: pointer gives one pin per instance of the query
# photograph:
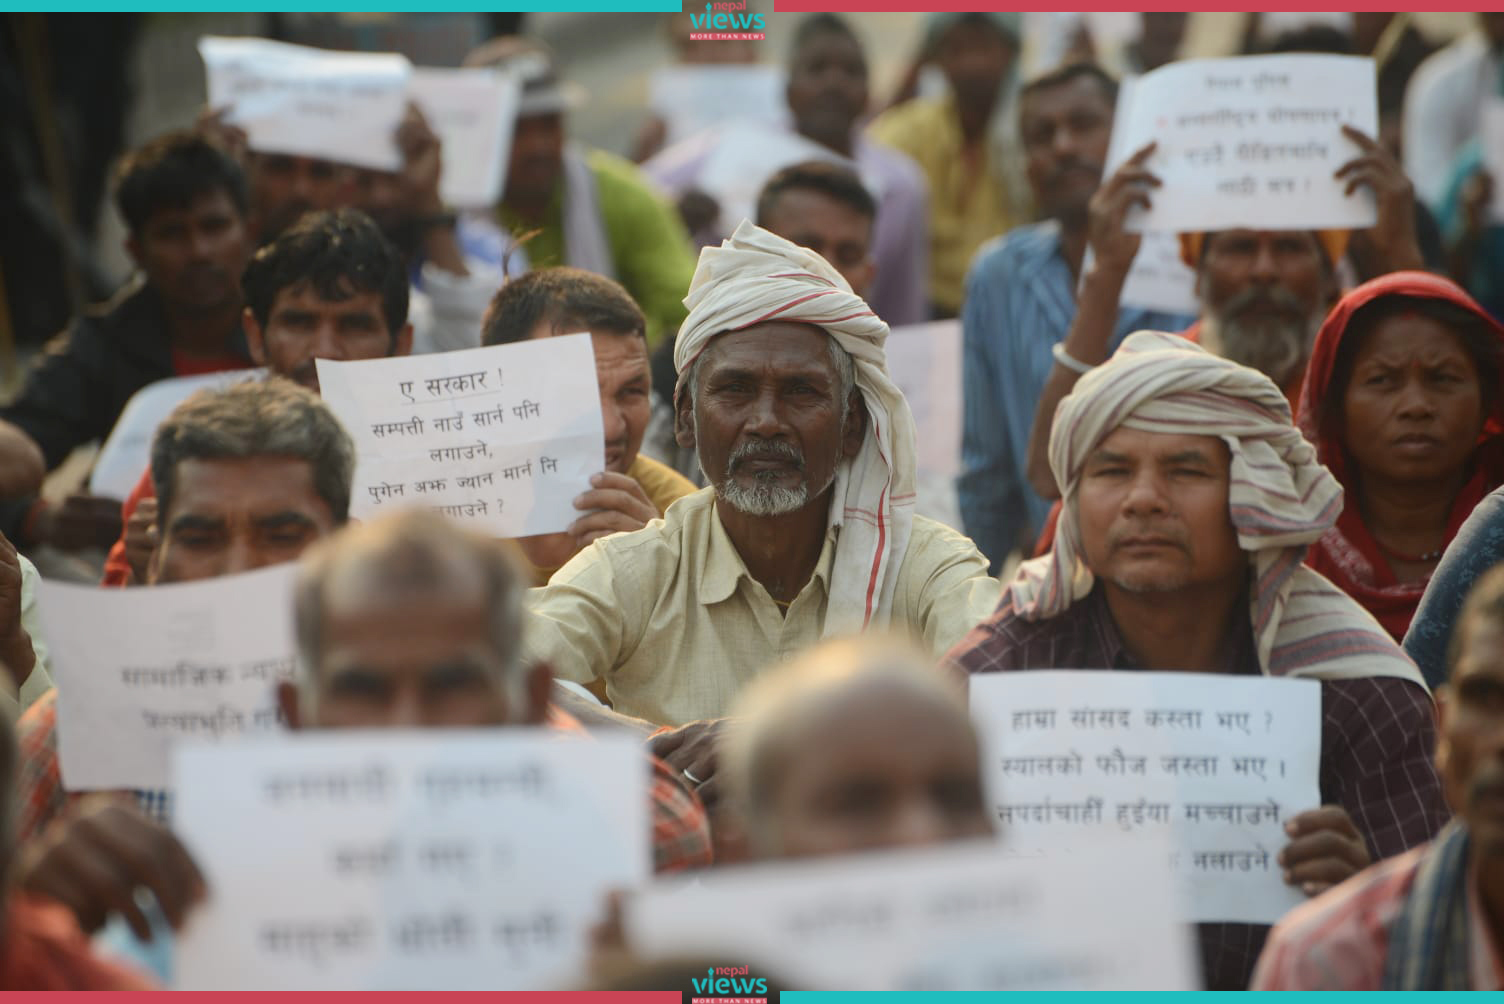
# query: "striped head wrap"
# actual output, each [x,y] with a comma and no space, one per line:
[1280,501]
[756,277]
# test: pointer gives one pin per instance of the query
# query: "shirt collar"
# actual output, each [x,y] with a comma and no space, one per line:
[1237,652]
[722,568]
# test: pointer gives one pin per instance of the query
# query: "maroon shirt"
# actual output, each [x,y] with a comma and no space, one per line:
[1378,740]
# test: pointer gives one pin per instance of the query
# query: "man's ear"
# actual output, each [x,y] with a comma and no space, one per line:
[684,420]
[856,425]
[540,688]
[402,344]
[287,700]
[255,338]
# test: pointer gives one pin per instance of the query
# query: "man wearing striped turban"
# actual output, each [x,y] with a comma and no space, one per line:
[1189,501]
[808,529]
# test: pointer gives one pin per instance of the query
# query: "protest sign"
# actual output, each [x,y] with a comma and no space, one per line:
[141,669]
[473,112]
[745,156]
[1218,763]
[503,437]
[434,860]
[693,97]
[1158,279]
[924,360]
[962,917]
[127,452]
[292,99]
[1251,141]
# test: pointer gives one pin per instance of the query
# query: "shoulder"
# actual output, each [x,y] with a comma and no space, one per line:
[999,258]
[1338,940]
[998,643]
[662,484]
[933,544]
[617,176]
[639,554]
[1377,703]
[1328,635]
[892,161]
[912,118]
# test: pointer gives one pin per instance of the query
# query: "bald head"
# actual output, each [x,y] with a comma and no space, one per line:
[412,621]
[858,745]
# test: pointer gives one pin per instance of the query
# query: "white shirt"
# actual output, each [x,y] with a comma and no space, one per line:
[1442,106]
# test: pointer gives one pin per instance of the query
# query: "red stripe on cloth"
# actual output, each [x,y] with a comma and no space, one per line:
[882,530]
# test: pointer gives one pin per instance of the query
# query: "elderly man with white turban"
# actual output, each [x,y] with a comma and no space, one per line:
[1190,499]
[807,530]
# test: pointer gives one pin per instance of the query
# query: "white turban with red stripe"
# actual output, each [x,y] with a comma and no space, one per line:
[1280,500]
[756,277]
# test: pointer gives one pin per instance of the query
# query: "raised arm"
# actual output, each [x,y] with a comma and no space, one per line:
[1085,345]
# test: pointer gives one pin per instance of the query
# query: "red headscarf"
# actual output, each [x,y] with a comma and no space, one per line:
[1348,554]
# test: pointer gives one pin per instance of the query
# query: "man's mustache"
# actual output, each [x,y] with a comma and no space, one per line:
[1174,535]
[770,450]
[1264,299]
[1060,173]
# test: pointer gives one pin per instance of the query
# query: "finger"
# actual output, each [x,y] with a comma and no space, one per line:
[1325,843]
[605,521]
[613,499]
[142,848]
[709,793]
[1322,871]
[1143,153]
[1326,817]
[665,743]
[1360,137]
[102,886]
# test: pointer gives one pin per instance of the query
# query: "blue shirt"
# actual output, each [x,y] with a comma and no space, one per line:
[1478,547]
[1020,301]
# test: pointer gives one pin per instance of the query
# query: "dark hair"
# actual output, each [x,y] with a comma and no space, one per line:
[340,254]
[171,172]
[1476,335]
[820,24]
[568,298]
[1062,75]
[1484,600]
[259,418]
[838,182]
[1313,38]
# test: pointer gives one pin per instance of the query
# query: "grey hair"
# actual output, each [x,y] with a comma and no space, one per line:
[271,417]
[839,357]
[414,552]
[783,704]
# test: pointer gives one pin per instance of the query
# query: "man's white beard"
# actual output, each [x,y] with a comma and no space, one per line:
[762,499]
[1276,343]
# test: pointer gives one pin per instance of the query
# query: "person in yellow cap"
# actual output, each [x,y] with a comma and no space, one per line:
[1263,293]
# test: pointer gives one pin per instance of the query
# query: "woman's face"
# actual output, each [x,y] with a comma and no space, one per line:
[1414,406]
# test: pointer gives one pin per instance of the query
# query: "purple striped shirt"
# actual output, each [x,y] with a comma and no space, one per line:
[1378,738]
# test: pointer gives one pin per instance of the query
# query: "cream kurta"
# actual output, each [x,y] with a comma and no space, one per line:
[673,622]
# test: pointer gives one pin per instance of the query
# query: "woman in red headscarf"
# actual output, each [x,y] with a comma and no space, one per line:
[1402,398]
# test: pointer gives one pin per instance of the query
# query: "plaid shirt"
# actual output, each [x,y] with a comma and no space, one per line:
[681,828]
[1378,735]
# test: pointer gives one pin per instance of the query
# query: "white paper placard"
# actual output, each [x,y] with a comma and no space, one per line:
[924,360]
[407,860]
[473,112]
[692,97]
[141,669]
[963,917]
[745,156]
[127,452]
[338,106]
[1217,763]
[1251,141]
[503,437]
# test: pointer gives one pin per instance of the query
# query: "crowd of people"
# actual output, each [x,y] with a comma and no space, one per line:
[1303,479]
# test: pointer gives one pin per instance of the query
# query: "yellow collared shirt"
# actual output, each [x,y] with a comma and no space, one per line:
[672,621]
